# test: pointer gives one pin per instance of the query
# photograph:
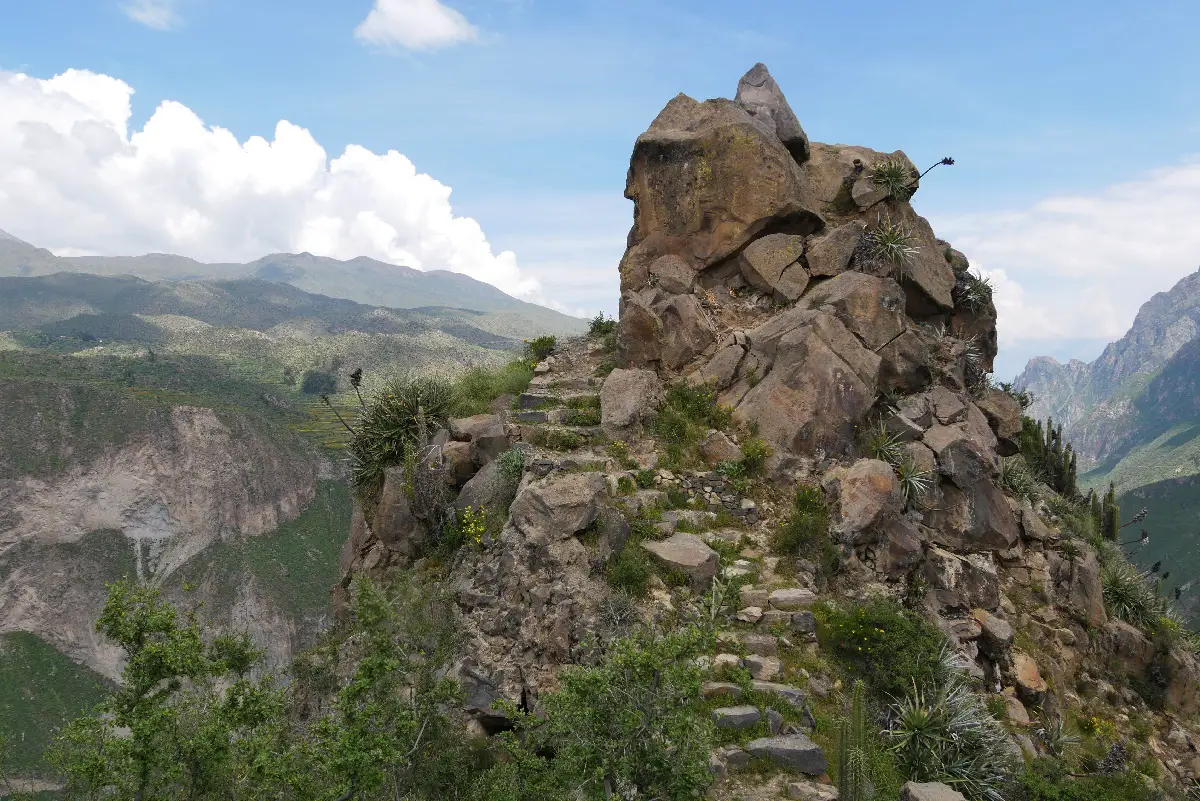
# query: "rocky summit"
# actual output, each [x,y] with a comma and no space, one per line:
[842,349]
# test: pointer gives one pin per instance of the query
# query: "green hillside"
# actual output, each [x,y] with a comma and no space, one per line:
[42,691]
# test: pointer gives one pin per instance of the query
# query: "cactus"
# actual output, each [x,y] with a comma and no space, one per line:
[854,777]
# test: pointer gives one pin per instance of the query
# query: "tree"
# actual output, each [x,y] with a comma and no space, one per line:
[168,731]
[632,727]
[1111,514]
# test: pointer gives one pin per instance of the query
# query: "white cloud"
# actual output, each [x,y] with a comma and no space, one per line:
[159,14]
[1079,266]
[74,178]
[415,24]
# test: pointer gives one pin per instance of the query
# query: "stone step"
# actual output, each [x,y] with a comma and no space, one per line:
[796,752]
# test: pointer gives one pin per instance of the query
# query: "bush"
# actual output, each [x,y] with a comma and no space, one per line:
[755,453]
[942,731]
[687,413]
[1051,780]
[630,570]
[973,291]
[475,390]
[387,426]
[914,482]
[894,176]
[633,726]
[1018,479]
[316,382]
[806,528]
[556,439]
[538,349]
[601,326]
[512,465]
[887,646]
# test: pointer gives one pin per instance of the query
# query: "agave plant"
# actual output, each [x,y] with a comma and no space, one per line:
[879,443]
[895,176]
[945,733]
[387,426]
[914,482]
[1129,594]
[1017,478]
[1057,738]
[890,242]
[973,291]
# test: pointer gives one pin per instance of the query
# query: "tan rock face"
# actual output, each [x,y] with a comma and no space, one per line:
[872,308]
[867,497]
[1031,687]
[705,178]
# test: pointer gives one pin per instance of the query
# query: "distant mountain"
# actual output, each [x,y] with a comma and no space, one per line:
[1133,415]
[1105,406]
[362,280]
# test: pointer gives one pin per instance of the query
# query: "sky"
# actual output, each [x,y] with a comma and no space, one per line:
[492,137]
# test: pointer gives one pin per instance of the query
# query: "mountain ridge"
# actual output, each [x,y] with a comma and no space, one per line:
[361,279]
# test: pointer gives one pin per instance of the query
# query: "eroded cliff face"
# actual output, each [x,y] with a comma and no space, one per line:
[185,478]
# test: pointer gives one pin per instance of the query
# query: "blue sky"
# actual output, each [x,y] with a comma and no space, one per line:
[1063,117]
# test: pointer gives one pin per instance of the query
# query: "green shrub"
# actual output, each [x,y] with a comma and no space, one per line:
[644,479]
[475,390]
[601,326]
[943,732]
[387,426]
[688,412]
[755,453]
[973,291]
[886,645]
[1018,479]
[511,465]
[539,348]
[807,526]
[879,443]
[633,726]
[582,417]
[1129,595]
[1051,780]
[630,570]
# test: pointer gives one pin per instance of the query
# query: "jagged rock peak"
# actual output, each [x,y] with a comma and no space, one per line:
[760,96]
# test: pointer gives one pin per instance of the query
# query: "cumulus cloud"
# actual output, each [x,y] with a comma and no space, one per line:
[1079,266]
[159,14]
[75,179]
[415,24]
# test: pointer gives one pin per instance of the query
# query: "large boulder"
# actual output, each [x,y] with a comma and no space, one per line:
[761,97]
[872,308]
[975,519]
[721,370]
[962,582]
[673,275]
[558,506]
[1077,580]
[1183,682]
[629,399]
[867,498]
[819,381]
[705,179]
[392,521]
[1131,648]
[485,433]
[687,554]
[958,457]
[1004,415]
[488,489]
